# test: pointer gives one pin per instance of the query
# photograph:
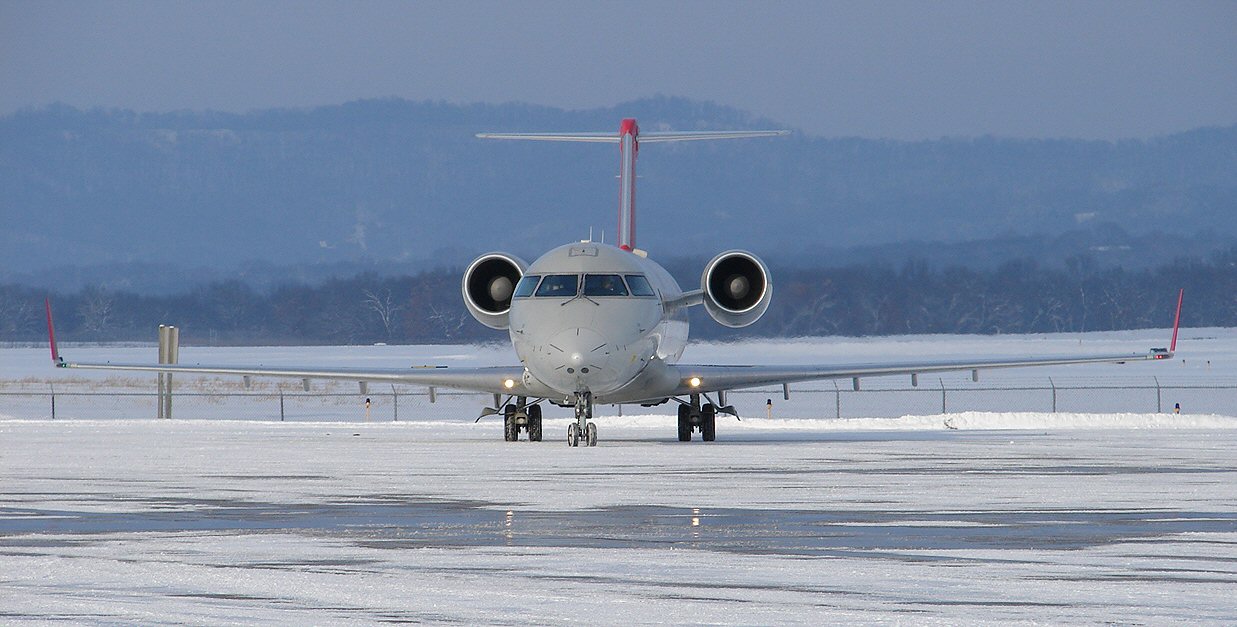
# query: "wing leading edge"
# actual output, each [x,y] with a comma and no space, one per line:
[715,378]
[492,379]
[695,379]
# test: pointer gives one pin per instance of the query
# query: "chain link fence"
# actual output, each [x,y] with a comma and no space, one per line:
[279,402]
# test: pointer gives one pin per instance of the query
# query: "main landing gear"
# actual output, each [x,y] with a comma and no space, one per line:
[693,416]
[521,417]
[583,427]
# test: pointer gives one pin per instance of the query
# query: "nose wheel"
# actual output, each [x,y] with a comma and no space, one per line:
[583,428]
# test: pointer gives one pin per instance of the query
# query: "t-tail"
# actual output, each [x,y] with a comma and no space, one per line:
[629,140]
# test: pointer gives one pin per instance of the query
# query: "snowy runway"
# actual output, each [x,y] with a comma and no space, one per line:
[1127,519]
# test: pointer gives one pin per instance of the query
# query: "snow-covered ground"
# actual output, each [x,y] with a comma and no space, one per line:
[225,521]
[1203,379]
[970,517]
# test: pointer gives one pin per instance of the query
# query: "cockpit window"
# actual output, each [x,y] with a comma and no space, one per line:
[639,285]
[604,285]
[526,286]
[559,285]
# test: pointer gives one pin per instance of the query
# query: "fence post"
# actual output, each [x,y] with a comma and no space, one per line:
[942,394]
[280,404]
[837,399]
[395,403]
[1159,407]
[53,387]
[1054,394]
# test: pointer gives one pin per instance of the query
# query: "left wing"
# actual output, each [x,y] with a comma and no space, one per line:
[696,379]
[707,378]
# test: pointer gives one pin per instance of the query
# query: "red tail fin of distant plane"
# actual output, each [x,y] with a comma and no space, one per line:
[1172,348]
[51,332]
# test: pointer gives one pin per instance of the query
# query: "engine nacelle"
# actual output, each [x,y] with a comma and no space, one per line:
[737,288]
[488,285]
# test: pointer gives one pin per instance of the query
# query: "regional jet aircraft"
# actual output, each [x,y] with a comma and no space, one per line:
[596,323]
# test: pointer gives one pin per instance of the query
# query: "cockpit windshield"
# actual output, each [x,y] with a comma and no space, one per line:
[525,287]
[568,285]
[639,285]
[559,285]
[604,285]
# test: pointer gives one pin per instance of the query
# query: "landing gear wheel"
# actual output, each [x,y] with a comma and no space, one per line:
[534,423]
[685,423]
[573,434]
[708,422]
[511,430]
[590,434]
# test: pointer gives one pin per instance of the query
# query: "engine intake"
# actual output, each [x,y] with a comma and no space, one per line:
[737,288]
[488,284]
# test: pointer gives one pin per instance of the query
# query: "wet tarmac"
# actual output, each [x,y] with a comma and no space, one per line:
[220,522]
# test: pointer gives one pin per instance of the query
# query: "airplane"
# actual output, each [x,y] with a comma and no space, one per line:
[594,323]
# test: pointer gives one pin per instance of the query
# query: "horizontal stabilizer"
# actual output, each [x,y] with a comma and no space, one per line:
[603,138]
[701,135]
[644,138]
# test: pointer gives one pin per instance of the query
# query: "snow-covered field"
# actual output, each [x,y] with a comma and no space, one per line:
[969,517]
[1203,379]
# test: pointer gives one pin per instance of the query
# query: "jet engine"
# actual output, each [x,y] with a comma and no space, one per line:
[737,288]
[488,285]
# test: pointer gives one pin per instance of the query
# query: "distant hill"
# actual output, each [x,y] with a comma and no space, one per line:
[392,181]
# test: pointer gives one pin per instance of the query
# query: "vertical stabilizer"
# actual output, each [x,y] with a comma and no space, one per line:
[629,140]
[629,146]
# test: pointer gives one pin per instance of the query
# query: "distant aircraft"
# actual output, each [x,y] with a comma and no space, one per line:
[595,323]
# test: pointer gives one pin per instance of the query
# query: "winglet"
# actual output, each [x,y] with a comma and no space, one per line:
[51,334]
[1172,348]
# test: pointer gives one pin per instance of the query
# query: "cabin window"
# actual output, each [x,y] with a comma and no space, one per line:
[559,285]
[604,285]
[525,287]
[639,285]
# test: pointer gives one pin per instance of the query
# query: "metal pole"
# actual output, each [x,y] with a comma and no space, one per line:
[173,357]
[837,400]
[53,386]
[395,403]
[1054,394]
[942,394]
[1159,407]
[280,404]
[163,359]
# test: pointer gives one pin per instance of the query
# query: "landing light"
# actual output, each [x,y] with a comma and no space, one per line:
[694,382]
[509,383]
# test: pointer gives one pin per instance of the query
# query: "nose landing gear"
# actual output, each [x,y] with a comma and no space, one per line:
[583,427]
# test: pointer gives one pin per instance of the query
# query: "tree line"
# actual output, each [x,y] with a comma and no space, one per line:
[1018,297]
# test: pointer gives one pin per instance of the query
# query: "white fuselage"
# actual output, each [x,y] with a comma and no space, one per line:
[578,329]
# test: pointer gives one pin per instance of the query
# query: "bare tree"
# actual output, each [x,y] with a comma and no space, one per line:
[96,311]
[384,306]
[451,322]
[16,316]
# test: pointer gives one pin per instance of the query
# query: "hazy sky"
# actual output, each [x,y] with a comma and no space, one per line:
[872,69]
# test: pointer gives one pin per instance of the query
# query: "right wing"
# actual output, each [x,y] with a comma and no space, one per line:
[493,380]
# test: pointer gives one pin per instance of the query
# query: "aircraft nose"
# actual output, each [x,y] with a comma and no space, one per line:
[583,350]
